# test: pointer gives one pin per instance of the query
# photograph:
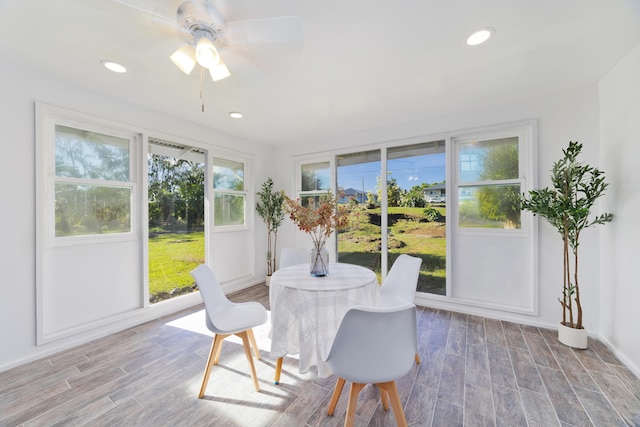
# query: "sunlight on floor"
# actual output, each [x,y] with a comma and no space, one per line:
[236,401]
[192,322]
[195,322]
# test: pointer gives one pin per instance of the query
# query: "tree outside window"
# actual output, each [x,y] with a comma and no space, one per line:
[489,192]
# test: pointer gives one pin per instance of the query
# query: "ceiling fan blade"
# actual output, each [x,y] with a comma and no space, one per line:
[280,30]
[243,68]
[160,16]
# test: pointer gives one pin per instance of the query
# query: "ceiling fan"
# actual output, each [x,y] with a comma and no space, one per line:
[200,24]
[217,45]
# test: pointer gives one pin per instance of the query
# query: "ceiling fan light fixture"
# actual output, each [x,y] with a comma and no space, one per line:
[219,72]
[206,53]
[184,58]
[480,36]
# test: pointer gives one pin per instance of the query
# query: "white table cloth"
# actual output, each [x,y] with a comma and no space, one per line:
[306,311]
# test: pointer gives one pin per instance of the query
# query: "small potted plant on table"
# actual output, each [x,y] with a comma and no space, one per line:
[567,207]
[318,219]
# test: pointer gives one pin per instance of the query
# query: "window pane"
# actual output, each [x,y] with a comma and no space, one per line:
[361,241]
[228,209]
[489,206]
[90,155]
[315,176]
[175,194]
[89,209]
[417,212]
[311,202]
[228,175]
[357,177]
[494,159]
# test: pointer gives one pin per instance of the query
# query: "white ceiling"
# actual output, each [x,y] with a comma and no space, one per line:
[362,64]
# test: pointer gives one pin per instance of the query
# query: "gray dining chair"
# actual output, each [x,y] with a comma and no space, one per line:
[294,256]
[401,283]
[373,345]
[225,318]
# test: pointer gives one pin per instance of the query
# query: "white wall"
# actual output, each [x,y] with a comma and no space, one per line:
[20,89]
[620,159]
[568,116]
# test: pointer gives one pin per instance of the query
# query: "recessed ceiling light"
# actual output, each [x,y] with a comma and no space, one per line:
[480,36]
[235,115]
[113,66]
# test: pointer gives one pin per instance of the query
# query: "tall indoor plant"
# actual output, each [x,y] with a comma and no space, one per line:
[567,207]
[270,207]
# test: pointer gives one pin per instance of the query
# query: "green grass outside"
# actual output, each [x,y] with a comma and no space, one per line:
[171,257]
[408,233]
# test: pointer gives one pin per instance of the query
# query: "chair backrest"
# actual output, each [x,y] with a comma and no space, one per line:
[293,256]
[211,293]
[374,344]
[402,280]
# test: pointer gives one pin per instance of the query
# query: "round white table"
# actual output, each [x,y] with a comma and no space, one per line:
[306,311]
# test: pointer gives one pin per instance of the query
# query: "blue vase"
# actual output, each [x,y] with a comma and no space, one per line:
[319,265]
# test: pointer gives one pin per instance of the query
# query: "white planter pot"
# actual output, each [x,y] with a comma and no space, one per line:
[575,338]
[267,281]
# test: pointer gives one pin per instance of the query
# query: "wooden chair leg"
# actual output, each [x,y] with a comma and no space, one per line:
[254,344]
[278,371]
[218,348]
[211,360]
[418,358]
[247,350]
[353,401]
[390,387]
[384,396]
[336,395]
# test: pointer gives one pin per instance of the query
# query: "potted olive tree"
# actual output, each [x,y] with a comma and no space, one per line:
[270,207]
[567,206]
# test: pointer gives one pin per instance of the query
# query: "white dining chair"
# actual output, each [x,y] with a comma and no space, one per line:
[401,283]
[373,345]
[294,256]
[225,318]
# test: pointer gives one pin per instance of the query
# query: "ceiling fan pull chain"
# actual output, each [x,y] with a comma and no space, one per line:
[202,87]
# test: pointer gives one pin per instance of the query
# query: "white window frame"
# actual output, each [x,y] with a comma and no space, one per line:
[332,243]
[247,199]
[524,133]
[298,184]
[49,248]
[48,133]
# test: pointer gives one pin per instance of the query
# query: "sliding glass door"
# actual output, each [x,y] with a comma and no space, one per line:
[414,205]
[416,210]
[357,180]
[176,218]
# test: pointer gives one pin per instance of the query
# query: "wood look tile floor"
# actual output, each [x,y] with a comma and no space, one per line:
[475,372]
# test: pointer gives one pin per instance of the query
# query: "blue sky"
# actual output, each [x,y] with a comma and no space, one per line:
[407,171]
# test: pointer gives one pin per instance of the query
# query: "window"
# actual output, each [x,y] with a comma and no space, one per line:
[176,216]
[357,177]
[229,192]
[92,186]
[402,193]
[489,183]
[416,178]
[315,182]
